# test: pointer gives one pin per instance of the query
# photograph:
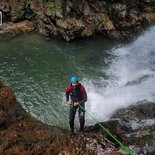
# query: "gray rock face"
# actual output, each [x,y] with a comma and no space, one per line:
[139,123]
[70,19]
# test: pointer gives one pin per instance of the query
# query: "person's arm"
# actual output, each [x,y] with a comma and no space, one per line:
[67,94]
[84,94]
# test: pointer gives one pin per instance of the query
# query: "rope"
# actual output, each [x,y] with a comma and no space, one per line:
[126,149]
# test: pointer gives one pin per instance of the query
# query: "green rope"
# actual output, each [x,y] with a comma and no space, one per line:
[126,149]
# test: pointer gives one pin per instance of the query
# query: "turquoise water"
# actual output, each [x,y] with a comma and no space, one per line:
[39,70]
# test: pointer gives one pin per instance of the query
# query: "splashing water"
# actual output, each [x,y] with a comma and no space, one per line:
[132,78]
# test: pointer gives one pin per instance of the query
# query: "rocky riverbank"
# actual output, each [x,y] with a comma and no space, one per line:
[70,19]
[21,134]
[138,124]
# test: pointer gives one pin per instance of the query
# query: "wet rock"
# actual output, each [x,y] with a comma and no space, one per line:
[139,80]
[150,17]
[140,120]
[87,32]
[69,27]
[133,126]
[118,20]
[10,29]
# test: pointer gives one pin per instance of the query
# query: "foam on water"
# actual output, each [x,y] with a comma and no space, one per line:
[132,78]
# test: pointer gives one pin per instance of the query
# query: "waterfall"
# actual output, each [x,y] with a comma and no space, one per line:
[131,78]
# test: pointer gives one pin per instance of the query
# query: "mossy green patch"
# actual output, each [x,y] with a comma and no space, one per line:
[150,16]
[51,8]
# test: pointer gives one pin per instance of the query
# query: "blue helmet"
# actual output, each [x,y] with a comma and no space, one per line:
[74,79]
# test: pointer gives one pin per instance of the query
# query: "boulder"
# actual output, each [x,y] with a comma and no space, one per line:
[139,123]
[10,29]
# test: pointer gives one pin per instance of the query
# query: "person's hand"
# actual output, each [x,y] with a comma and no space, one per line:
[68,103]
[76,103]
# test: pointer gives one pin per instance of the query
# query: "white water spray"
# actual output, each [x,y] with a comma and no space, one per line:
[132,78]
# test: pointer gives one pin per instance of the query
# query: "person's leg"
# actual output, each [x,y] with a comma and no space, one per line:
[72,117]
[81,117]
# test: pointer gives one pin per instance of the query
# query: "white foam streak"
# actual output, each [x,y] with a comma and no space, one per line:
[132,78]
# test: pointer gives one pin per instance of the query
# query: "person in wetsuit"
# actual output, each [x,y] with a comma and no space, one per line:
[75,95]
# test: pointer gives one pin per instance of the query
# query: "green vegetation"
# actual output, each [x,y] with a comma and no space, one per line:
[41,1]
[51,6]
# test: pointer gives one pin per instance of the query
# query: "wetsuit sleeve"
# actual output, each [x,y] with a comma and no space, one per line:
[67,93]
[84,94]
